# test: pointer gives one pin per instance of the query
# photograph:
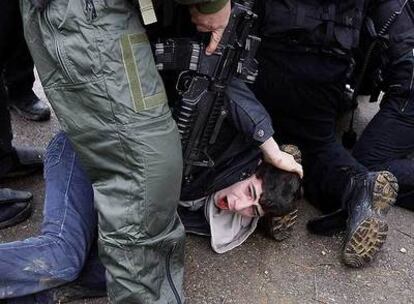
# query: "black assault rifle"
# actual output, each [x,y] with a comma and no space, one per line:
[203,79]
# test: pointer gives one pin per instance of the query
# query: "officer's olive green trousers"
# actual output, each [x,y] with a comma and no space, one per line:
[97,70]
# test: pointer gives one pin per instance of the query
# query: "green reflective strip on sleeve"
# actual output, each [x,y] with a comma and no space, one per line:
[137,38]
[139,101]
[147,11]
[132,69]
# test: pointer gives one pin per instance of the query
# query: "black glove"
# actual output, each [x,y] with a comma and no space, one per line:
[40,4]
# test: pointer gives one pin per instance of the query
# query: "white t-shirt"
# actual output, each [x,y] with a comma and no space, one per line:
[228,229]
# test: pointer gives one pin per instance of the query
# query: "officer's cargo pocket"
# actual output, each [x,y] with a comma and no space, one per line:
[145,84]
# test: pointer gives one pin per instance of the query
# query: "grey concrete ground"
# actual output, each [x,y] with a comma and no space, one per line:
[303,269]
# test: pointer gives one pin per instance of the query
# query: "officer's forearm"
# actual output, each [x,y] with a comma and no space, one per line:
[270,150]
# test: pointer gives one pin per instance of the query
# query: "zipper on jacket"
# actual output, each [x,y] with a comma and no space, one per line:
[90,10]
[405,105]
[169,277]
[57,47]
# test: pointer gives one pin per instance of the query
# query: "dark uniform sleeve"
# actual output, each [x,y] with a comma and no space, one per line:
[247,113]
[397,59]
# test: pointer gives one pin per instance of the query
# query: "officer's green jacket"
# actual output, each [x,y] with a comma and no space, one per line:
[95,64]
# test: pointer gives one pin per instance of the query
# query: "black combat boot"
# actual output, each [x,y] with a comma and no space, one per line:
[30,107]
[62,294]
[328,224]
[26,161]
[368,198]
[15,207]
[280,227]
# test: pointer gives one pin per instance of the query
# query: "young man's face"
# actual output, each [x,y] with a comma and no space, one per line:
[242,197]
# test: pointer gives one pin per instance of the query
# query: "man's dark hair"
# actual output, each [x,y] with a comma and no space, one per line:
[281,189]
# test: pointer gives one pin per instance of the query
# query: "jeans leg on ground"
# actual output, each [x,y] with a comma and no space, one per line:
[58,254]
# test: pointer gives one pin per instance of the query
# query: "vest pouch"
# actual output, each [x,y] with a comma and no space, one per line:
[282,16]
[320,24]
[348,24]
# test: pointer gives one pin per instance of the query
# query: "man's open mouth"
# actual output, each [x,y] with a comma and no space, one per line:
[223,203]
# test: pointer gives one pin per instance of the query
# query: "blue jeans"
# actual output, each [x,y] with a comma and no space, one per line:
[61,251]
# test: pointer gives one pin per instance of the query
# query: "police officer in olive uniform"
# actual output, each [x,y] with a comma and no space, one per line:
[305,59]
[97,70]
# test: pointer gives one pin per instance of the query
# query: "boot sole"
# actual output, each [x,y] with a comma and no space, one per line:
[282,226]
[371,233]
[18,218]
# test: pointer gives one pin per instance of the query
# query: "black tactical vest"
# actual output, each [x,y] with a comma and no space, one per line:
[398,21]
[323,24]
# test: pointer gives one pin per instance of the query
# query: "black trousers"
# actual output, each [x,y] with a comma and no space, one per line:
[9,20]
[389,137]
[387,140]
[18,67]
[18,71]
[304,94]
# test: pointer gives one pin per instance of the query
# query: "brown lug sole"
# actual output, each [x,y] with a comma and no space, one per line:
[282,226]
[385,192]
[371,233]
